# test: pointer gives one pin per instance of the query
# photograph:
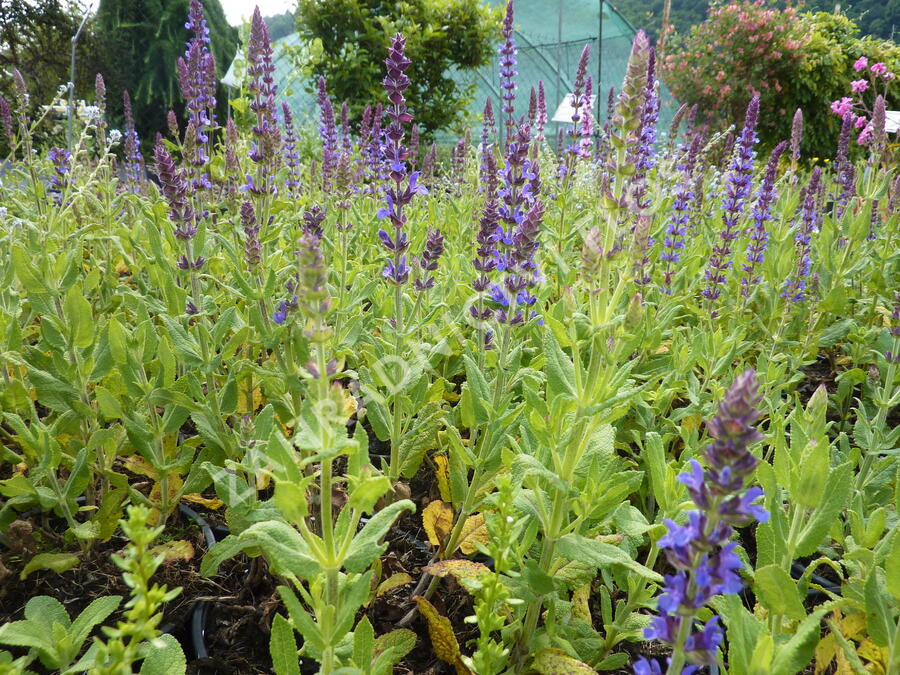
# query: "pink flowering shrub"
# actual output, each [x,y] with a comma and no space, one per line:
[792,59]
[859,106]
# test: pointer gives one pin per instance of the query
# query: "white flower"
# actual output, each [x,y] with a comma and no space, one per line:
[114,136]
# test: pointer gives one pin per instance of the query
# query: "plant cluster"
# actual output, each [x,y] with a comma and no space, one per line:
[640,398]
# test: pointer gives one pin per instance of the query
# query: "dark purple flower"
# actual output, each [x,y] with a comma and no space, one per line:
[262,89]
[9,131]
[175,190]
[845,172]
[488,129]
[252,245]
[434,248]
[312,221]
[796,135]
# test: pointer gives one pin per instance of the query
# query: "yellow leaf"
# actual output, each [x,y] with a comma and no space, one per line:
[443,476]
[175,484]
[122,269]
[474,530]
[243,406]
[392,582]
[443,639]
[557,662]
[664,347]
[580,608]
[826,650]
[196,498]
[877,656]
[691,422]
[466,572]
[437,519]
[140,466]
[852,624]
[178,549]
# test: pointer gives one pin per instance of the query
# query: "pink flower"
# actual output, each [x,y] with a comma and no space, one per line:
[861,64]
[865,136]
[842,107]
[859,86]
[879,69]
[861,121]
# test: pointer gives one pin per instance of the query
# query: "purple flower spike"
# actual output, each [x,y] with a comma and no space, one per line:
[397,195]
[262,87]
[541,120]
[289,152]
[508,71]
[761,214]
[434,248]
[328,132]
[795,286]
[738,185]
[134,162]
[700,551]
[175,190]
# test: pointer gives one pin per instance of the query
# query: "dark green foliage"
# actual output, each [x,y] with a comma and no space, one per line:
[142,40]
[441,36]
[880,18]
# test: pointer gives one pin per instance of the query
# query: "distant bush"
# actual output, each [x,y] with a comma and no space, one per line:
[791,59]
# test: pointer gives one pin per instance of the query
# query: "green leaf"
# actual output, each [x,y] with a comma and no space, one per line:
[364,645]
[892,567]
[80,318]
[27,634]
[95,613]
[284,547]
[283,647]
[601,554]
[794,655]
[836,496]
[23,264]
[118,341]
[365,546]
[778,593]
[422,436]
[559,368]
[57,562]
[164,656]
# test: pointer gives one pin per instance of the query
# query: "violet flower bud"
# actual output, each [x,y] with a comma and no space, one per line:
[761,214]
[175,190]
[434,248]
[508,71]
[795,285]
[796,135]
[289,152]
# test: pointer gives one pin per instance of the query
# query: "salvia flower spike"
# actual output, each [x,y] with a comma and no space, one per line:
[700,550]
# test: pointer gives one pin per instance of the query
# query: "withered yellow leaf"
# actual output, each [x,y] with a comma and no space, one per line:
[443,639]
[139,465]
[877,656]
[437,519]
[175,484]
[464,571]
[826,650]
[196,498]
[178,549]
[556,662]
[473,530]
[442,472]
[392,582]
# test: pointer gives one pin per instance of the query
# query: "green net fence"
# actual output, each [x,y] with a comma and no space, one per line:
[550,35]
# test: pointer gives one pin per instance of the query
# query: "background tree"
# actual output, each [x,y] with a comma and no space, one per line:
[142,40]
[441,35]
[35,38]
[792,59]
